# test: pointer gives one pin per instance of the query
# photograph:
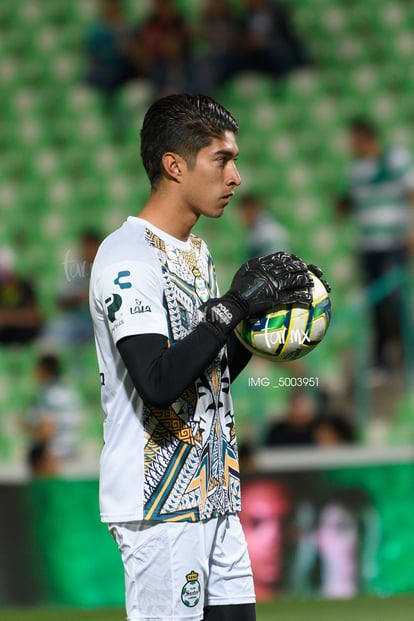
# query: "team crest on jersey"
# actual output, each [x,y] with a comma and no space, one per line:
[113,304]
[191,591]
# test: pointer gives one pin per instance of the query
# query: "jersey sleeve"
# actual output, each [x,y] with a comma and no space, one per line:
[131,296]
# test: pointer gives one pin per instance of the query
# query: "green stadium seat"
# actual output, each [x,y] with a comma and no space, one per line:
[85,11]
[251,87]
[81,99]
[336,19]
[10,74]
[65,67]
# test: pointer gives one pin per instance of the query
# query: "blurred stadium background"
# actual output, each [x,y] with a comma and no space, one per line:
[62,172]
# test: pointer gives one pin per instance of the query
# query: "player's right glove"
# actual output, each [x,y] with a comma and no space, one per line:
[258,286]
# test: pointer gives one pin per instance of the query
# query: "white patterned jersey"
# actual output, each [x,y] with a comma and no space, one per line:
[177,463]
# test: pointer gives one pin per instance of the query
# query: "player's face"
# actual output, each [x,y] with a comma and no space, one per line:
[210,182]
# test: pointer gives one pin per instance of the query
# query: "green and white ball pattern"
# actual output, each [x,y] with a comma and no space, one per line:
[290,331]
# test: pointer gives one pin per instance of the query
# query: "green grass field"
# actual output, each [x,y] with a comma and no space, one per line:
[361,609]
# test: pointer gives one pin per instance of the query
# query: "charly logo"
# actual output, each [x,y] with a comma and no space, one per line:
[191,591]
[120,280]
[113,304]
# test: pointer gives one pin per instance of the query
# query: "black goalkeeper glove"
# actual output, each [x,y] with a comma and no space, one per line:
[258,286]
[318,273]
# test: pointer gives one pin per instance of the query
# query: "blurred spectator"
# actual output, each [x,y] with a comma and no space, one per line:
[73,325]
[53,422]
[219,42]
[20,316]
[41,462]
[113,55]
[266,505]
[381,196]
[346,519]
[337,543]
[164,41]
[264,233]
[268,41]
[332,430]
[296,428]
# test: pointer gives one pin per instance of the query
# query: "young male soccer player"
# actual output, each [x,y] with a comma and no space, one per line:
[169,483]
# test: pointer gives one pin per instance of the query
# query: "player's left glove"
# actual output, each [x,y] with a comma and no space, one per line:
[276,278]
[259,285]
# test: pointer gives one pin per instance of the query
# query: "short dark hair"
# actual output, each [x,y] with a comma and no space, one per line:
[362,125]
[182,124]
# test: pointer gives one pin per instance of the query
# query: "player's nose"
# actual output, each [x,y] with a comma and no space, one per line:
[234,176]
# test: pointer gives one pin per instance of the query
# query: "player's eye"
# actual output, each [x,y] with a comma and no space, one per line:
[225,159]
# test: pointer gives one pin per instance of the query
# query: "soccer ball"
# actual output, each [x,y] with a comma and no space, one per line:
[290,331]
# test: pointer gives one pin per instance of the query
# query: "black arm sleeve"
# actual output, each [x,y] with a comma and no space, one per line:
[160,373]
[238,356]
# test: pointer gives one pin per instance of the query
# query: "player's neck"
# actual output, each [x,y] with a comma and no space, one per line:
[169,216]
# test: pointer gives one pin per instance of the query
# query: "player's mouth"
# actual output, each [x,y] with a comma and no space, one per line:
[226,197]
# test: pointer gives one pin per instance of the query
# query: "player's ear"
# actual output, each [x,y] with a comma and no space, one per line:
[173,165]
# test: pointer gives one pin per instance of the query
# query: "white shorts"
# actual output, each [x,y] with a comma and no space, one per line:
[174,569]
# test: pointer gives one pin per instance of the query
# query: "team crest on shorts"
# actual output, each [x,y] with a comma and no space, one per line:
[191,591]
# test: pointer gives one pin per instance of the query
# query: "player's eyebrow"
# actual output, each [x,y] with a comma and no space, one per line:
[227,153]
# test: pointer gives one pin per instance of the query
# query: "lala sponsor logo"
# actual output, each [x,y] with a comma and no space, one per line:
[139,308]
